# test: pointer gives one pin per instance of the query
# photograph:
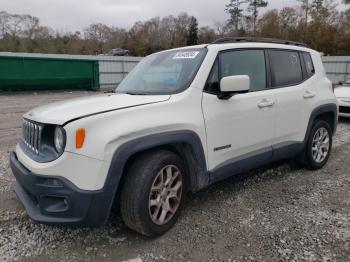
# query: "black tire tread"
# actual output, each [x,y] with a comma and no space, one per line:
[308,161]
[132,190]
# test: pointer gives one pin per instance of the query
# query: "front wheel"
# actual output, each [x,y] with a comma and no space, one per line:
[319,145]
[153,192]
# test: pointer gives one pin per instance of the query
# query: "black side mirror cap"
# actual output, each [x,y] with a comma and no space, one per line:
[225,95]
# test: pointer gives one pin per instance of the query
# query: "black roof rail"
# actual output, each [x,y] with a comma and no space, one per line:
[227,40]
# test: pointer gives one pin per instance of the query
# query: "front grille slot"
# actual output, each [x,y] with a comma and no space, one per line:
[31,135]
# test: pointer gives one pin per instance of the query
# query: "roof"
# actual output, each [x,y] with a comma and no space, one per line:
[257,40]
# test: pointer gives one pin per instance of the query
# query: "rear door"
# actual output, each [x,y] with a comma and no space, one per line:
[291,73]
[239,130]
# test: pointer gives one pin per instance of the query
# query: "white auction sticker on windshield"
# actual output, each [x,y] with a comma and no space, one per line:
[186,55]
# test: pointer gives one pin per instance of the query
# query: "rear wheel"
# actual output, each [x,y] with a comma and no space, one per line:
[153,192]
[319,145]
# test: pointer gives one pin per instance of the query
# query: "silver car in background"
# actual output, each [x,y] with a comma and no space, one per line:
[342,92]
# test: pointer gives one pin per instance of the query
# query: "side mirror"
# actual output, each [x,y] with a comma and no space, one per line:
[230,85]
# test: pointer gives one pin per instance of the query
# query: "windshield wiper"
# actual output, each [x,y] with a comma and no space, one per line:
[109,91]
[133,93]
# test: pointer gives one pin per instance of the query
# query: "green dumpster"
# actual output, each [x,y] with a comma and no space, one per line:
[33,73]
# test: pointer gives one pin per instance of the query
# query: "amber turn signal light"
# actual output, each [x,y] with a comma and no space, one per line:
[79,138]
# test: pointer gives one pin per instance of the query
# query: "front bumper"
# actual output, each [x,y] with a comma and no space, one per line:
[344,107]
[344,111]
[55,200]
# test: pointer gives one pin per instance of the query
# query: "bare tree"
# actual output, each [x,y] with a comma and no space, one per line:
[236,13]
[289,23]
[15,25]
[305,5]
[30,26]
[253,8]
[192,36]
[206,34]
[4,23]
[328,31]
[98,34]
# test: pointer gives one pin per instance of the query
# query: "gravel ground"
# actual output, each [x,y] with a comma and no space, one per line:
[277,213]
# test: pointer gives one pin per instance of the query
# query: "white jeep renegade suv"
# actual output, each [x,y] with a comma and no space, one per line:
[180,121]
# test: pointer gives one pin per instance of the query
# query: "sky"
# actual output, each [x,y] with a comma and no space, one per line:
[71,15]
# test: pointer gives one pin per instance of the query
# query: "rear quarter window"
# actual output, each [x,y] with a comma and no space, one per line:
[309,65]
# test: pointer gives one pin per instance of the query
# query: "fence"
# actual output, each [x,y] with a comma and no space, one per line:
[114,69]
[337,67]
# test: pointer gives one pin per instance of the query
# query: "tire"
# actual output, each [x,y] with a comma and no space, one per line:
[317,153]
[151,171]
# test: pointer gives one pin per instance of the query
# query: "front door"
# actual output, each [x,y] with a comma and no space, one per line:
[239,130]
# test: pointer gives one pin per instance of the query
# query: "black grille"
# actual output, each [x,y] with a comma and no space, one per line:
[344,109]
[31,135]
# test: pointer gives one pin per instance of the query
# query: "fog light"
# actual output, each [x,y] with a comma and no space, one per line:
[54,204]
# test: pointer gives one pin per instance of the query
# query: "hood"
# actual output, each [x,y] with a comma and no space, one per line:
[61,112]
[342,92]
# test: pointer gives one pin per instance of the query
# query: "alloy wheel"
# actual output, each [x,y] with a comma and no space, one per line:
[165,195]
[320,145]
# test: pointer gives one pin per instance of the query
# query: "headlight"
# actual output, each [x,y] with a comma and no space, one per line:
[59,139]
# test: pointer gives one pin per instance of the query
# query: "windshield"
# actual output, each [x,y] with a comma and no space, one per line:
[163,73]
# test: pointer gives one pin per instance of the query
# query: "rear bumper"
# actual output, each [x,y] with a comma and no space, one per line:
[55,200]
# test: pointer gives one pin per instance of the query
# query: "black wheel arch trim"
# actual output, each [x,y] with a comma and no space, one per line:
[130,148]
[326,108]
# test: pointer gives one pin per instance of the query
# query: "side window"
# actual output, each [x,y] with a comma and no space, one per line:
[213,79]
[286,68]
[309,66]
[245,62]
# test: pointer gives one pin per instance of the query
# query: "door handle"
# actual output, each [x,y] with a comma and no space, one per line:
[265,103]
[309,94]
